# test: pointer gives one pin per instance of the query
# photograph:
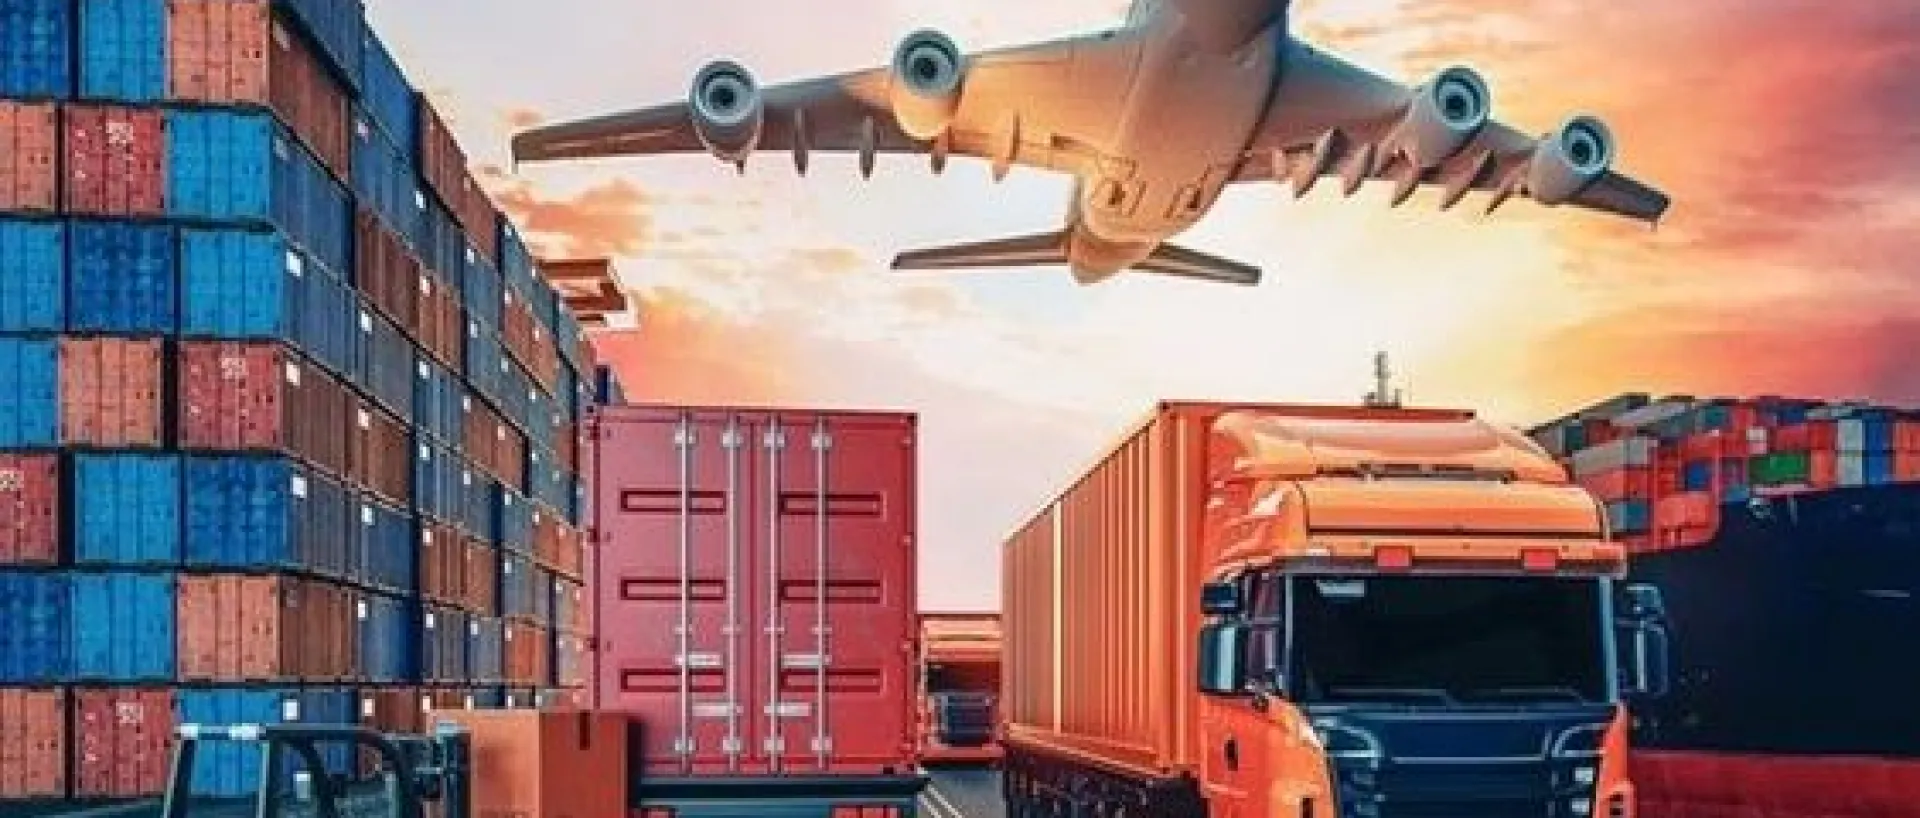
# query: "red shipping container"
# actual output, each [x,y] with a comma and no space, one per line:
[867,576]
[566,448]
[1823,468]
[440,319]
[261,396]
[110,392]
[443,564]
[33,743]
[483,576]
[476,213]
[385,271]
[258,629]
[29,148]
[1632,482]
[529,654]
[1906,466]
[116,161]
[122,742]
[528,342]
[224,52]
[380,456]
[29,509]
[478,426]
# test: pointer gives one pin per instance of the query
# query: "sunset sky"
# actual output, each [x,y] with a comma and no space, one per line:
[1787,131]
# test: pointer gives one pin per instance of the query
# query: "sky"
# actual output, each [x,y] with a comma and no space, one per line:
[1787,132]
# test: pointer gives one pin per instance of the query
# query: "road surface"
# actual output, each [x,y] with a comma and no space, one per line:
[963,793]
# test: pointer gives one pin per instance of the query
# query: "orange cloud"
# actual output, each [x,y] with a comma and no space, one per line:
[685,351]
[612,218]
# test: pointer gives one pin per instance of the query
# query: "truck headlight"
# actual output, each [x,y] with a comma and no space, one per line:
[1580,807]
[1583,775]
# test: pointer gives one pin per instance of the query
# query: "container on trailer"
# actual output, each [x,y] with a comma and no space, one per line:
[243,166]
[127,632]
[386,372]
[110,392]
[122,278]
[440,321]
[123,50]
[36,51]
[848,473]
[116,161]
[232,769]
[256,513]
[384,270]
[33,743]
[36,646]
[131,512]
[29,152]
[383,545]
[121,741]
[259,396]
[29,509]
[377,452]
[385,626]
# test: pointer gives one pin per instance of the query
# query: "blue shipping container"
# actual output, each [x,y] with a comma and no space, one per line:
[123,50]
[266,513]
[436,402]
[567,334]
[480,495]
[33,263]
[1697,475]
[339,26]
[1878,467]
[34,644]
[384,179]
[566,603]
[254,285]
[607,390]
[440,241]
[548,480]
[29,393]
[437,489]
[36,49]
[516,265]
[481,289]
[125,632]
[228,769]
[122,278]
[443,645]
[486,650]
[386,367]
[388,95]
[127,509]
[520,589]
[516,521]
[243,166]
[1629,516]
[386,639]
[383,543]
[486,362]
[547,305]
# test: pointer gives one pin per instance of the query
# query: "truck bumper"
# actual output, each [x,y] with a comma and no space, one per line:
[777,796]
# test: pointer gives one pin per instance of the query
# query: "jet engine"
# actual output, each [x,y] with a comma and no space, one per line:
[1569,159]
[727,110]
[1444,115]
[928,70]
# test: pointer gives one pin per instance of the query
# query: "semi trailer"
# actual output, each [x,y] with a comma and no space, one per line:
[1250,610]
[959,688]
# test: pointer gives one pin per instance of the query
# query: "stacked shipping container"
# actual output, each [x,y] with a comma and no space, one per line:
[280,398]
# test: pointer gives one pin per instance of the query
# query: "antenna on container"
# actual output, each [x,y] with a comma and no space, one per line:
[1383,396]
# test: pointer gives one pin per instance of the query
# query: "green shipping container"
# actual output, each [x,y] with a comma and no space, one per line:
[1779,469]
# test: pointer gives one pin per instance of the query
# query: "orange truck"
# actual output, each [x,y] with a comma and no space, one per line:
[1249,611]
[959,688]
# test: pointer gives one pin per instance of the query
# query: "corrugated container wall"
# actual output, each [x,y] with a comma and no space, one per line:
[254,285]
[340,29]
[29,150]
[33,294]
[36,647]
[131,516]
[261,397]
[386,92]
[856,487]
[123,50]
[122,740]
[29,509]
[243,167]
[385,184]
[117,161]
[385,270]
[127,633]
[254,513]
[122,278]
[377,456]
[33,743]
[232,769]
[36,50]
[29,393]
[110,392]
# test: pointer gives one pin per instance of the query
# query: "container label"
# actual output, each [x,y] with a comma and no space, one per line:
[290,710]
[296,266]
[424,374]
[366,420]
[419,200]
[12,480]
[366,708]
[473,629]
[469,254]
[293,374]
[362,608]
[233,368]
[366,515]
[366,322]
[429,619]
[129,714]
[466,477]
[426,536]
[299,486]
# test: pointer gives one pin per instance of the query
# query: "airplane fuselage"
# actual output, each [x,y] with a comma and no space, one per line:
[1164,171]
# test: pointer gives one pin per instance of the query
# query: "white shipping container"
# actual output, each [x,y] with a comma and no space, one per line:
[1852,468]
[1619,454]
[1853,435]
[1653,413]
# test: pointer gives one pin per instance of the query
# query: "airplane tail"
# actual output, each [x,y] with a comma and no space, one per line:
[1050,248]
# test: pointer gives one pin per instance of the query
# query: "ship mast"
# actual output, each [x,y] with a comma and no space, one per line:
[1384,395]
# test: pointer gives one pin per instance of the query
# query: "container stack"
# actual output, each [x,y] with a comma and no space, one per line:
[1665,467]
[287,410]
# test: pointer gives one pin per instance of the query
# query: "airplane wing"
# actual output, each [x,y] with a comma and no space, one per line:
[1330,118]
[1041,105]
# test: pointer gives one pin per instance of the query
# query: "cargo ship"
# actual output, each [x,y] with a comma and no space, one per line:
[1784,535]
[287,407]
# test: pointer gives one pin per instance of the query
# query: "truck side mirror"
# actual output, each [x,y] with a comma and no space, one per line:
[1222,659]
[1647,667]
[1220,598]
[1642,602]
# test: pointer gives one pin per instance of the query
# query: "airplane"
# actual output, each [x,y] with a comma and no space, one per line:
[1153,119]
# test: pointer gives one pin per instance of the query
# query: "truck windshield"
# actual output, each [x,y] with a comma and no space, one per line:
[1447,640]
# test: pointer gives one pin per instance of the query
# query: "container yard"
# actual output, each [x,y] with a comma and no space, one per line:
[288,413]
[1781,533]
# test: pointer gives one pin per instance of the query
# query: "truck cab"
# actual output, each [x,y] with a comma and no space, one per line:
[1407,628]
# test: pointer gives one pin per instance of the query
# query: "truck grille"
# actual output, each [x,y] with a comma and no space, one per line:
[1456,790]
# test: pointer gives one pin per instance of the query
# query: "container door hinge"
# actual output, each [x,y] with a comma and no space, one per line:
[731,439]
[822,441]
[822,745]
[730,745]
[683,437]
[774,439]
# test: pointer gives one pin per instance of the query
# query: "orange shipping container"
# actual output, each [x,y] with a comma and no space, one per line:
[1823,468]
[254,629]
[110,392]
[29,144]
[226,52]
[379,456]
[528,654]
[1628,483]
[33,743]
[1906,466]
[122,740]
[546,762]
